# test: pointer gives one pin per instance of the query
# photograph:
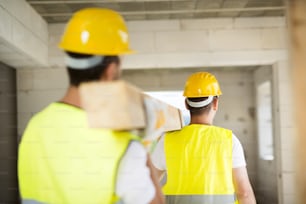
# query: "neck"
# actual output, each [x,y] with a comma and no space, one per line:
[72,97]
[201,119]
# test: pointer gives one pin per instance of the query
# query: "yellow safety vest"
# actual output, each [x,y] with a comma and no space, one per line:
[62,161]
[199,166]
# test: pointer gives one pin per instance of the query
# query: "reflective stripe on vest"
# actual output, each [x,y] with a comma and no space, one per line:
[62,160]
[200,199]
[199,164]
[26,201]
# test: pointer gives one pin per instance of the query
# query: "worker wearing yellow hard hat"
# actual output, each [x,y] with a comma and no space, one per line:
[61,159]
[204,164]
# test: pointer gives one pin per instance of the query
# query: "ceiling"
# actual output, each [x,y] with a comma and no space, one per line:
[59,11]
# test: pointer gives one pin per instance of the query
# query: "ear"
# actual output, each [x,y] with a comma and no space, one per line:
[111,73]
[215,104]
[186,105]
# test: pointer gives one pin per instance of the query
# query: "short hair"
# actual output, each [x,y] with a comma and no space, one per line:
[77,76]
[200,110]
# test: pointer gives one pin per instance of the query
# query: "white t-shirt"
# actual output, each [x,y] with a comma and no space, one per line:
[159,159]
[134,184]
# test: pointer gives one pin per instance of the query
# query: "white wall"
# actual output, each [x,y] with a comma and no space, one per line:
[23,35]
[285,132]
[236,103]
[183,43]
[196,43]
[267,178]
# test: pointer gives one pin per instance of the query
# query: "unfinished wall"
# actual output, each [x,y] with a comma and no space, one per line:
[8,135]
[196,43]
[236,103]
[23,35]
[267,189]
[177,44]
[285,132]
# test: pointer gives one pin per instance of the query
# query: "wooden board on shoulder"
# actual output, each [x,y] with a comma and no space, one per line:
[119,105]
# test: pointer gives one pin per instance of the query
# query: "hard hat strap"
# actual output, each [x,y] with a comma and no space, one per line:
[83,63]
[200,104]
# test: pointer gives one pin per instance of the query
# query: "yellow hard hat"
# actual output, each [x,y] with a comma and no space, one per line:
[96,31]
[202,84]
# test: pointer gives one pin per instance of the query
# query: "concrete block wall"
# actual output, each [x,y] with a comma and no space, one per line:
[236,103]
[177,44]
[285,131]
[8,133]
[36,89]
[23,35]
[195,43]
[267,179]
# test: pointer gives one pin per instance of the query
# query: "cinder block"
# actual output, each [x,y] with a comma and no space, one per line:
[54,51]
[185,41]
[18,10]
[142,42]
[144,81]
[34,101]
[179,60]
[4,49]
[288,138]
[288,160]
[13,56]
[21,37]
[20,34]
[235,39]
[48,78]
[139,61]
[155,25]
[207,24]
[289,186]
[260,22]
[285,94]
[284,71]
[24,80]
[24,13]
[39,26]
[174,81]
[6,25]
[286,117]
[56,29]
[274,38]
[21,63]
[290,198]
[198,59]
[23,120]
[57,61]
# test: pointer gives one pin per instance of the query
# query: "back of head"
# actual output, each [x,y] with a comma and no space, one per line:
[201,89]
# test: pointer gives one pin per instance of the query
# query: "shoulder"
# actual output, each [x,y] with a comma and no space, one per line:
[136,149]
[171,133]
[222,129]
[39,116]
[236,141]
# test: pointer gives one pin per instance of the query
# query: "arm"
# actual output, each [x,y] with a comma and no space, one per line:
[159,173]
[159,197]
[136,182]
[158,159]
[242,186]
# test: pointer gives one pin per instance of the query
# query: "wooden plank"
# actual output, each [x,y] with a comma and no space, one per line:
[113,105]
[297,22]
[121,106]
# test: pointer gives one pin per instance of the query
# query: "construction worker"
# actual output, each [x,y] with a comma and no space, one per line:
[62,160]
[204,164]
